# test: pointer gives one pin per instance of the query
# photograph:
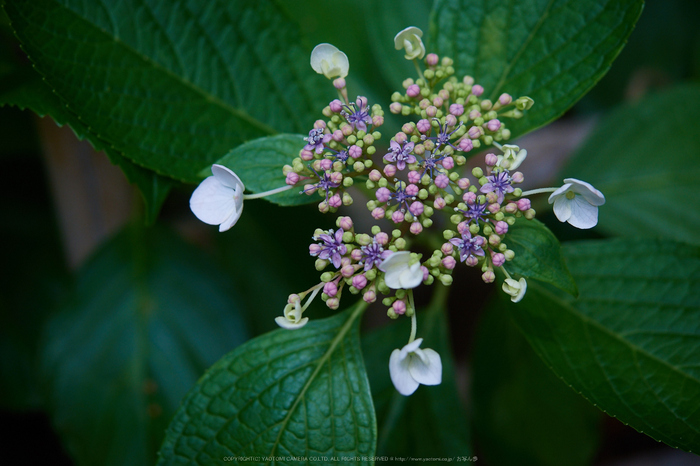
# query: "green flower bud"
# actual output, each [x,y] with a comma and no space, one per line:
[499,216]
[427,223]
[388,300]
[400,243]
[446,279]
[320,264]
[396,233]
[456,218]
[487,230]
[368,163]
[383,183]
[448,234]
[327,276]
[391,313]
[449,199]
[474,229]
[430,280]
[510,254]
[362,239]
[488,139]
[454,176]
[347,199]
[434,261]
[371,205]
[478,172]
[423,194]
[524,103]
[348,237]
[427,210]
[371,150]
[400,294]
[371,274]
[353,290]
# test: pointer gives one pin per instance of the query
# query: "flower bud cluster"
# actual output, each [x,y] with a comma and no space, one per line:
[338,149]
[356,260]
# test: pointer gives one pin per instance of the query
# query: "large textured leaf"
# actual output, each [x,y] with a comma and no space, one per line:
[551,50]
[538,255]
[283,395]
[524,414]
[630,343]
[647,191]
[25,89]
[149,315]
[172,85]
[259,165]
[431,422]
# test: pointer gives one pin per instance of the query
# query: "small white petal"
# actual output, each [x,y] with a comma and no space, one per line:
[212,202]
[425,367]
[400,375]
[289,325]
[583,214]
[592,195]
[227,177]
[398,274]
[521,293]
[327,60]
[562,208]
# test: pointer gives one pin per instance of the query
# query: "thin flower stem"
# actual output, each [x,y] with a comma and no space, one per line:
[538,191]
[266,193]
[420,73]
[506,272]
[413,317]
[500,147]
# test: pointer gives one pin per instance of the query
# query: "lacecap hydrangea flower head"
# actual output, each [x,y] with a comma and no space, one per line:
[410,180]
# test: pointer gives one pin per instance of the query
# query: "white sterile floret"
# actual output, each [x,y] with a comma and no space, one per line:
[577,203]
[516,290]
[292,319]
[218,200]
[410,39]
[327,60]
[399,273]
[411,366]
[512,157]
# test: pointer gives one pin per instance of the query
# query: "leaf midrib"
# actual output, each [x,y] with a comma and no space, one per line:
[207,96]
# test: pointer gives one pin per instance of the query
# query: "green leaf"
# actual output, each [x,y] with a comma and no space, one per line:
[172,86]
[423,424]
[25,89]
[553,51]
[148,316]
[301,393]
[630,343]
[538,255]
[259,165]
[524,414]
[646,192]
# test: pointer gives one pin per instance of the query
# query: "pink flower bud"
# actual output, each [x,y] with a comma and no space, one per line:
[511,208]
[345,261]
[431,111]
[518,177]
[432,59]
[383,194]
[336,106]
[425,271]
[325,164]
[337,135]
[491,159]
[463,228]
[339,83]
[369,296]
[448,163]
[400,137]
[323,207]
[447,248]
[450,120]
[469,197]
[399,307]
[413,90]
[442,181]
[375,176]
[309,189]
[333,303]
[493,125]
[494,240]
[292,178]
[355,151]
[413,177]
[437,102]
[335,177]
[474,114]
[423,104]
[397,216]
[319,124]
[463,183]
[449,262]
[378,213]
[347,271]
[381,238]
[306,155]
[345,223]
[416,228]
[505,99]
[475,132]
[395,108]
[407,128]
[501,227]
[471,261]
[335,201]
[359,281]
[457,109]
[477,90]
[488,276]
[439,203]
[465,145]
[423,125]
[494,208]
[377,120]
[523,204]
[315,249]
[416,208]
[331,289]
[356,254]
[498,259]
[412,190]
